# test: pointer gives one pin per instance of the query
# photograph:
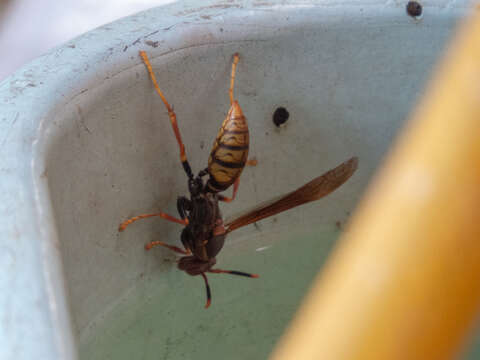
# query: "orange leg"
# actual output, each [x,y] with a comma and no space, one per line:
[171,115]
[171,247]
[232,78]
[144,216]
[252,162]
[235,189]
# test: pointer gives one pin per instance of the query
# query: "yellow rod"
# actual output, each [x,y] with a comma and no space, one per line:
[405,281]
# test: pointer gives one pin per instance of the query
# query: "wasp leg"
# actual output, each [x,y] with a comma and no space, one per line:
[233,272]
[252,162]
[209,293]
[171,115]
[203,172]
[235,189]
[171,247]
[124,224]
[232,78]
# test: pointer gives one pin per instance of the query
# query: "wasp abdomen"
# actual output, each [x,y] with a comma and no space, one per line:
[230,150]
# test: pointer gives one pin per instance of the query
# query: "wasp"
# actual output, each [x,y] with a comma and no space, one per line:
[204,232]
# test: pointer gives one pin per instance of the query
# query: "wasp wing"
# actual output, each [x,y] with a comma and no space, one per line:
[313,190]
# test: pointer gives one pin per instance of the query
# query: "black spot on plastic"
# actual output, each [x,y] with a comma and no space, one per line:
[280,116]
[414,9]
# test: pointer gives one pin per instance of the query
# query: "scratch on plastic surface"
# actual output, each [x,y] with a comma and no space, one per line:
[7,135]
[263,248]
[82,119]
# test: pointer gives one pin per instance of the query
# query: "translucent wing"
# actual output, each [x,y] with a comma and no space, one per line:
[314,190]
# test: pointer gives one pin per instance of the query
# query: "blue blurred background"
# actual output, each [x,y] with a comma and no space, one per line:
[28,28]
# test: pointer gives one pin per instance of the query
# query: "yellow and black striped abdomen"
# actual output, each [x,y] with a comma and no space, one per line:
[230,151]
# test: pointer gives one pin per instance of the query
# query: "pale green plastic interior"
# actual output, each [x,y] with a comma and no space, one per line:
[349,77]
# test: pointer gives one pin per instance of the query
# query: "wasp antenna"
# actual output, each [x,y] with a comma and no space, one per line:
[233,272]
[209,293]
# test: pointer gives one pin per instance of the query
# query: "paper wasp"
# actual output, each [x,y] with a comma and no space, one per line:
[204,233]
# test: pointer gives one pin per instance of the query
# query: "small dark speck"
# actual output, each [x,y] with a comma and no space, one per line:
[275,220]
[221,29]
[31,85]
[414,9]
[125,48]
[338,225]
[206,17]
[72,46]
[141,275]
[137,75]
[151,43]
[266,133]
[202,144]
[256,226]
[280,116]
